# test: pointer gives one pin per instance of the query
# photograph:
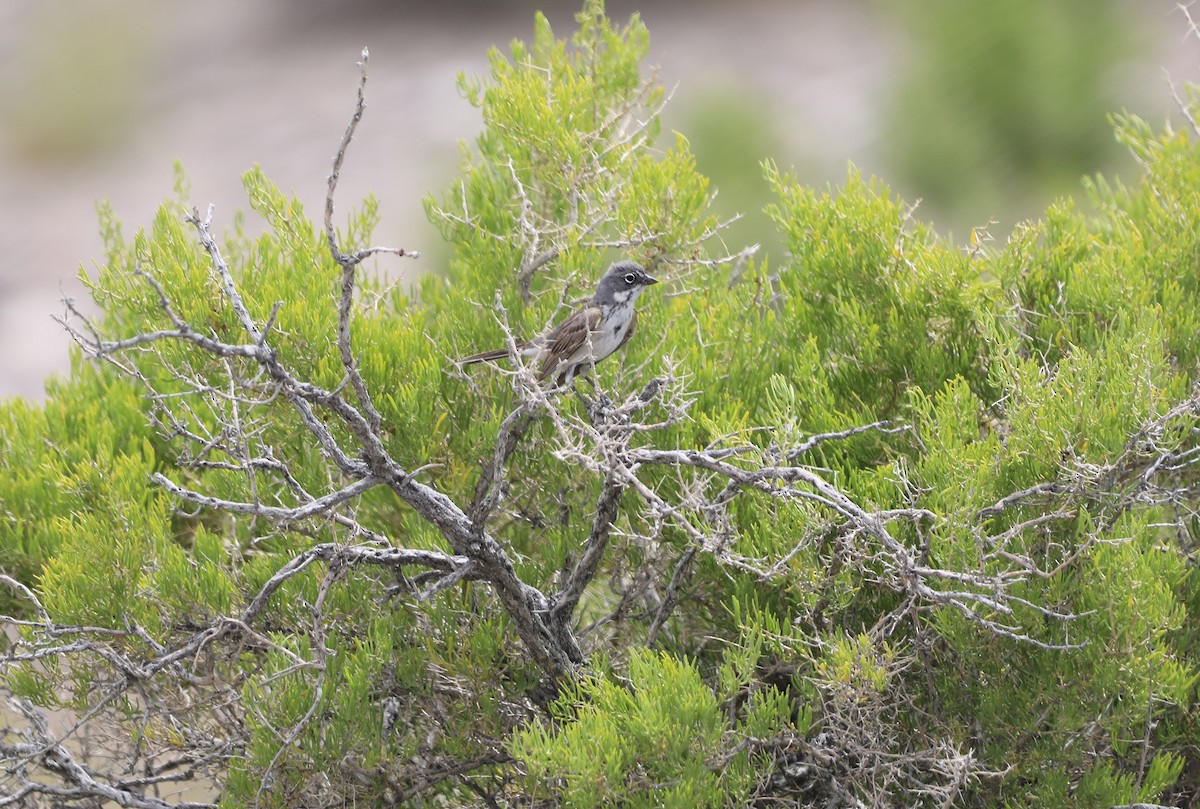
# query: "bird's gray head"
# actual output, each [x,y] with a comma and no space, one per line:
[623,282]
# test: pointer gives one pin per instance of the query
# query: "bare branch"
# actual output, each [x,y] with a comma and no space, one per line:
[80,783]
[228,285]
[670,598]
[487,490]
[884,427]
[593,551]
[283,516]
[350,555]
[349,262]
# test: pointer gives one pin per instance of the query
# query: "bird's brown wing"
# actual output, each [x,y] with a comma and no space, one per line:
[567,338]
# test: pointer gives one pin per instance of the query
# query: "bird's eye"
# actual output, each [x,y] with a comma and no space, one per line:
[630,278]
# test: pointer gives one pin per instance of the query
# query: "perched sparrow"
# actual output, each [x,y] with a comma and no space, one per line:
[604,324]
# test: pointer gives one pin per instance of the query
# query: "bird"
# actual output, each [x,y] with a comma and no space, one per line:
[589,334]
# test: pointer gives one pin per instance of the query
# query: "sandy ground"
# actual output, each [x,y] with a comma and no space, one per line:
[224,84]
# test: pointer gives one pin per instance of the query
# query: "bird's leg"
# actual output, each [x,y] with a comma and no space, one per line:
[599,407]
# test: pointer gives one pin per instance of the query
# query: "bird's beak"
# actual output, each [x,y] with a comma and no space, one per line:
[649,279]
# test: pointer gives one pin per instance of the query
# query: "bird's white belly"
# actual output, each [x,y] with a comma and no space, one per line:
[604,341]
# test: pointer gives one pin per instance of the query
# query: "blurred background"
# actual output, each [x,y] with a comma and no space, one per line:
[983,110]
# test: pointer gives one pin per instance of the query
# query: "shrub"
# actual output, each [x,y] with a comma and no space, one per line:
[883,520]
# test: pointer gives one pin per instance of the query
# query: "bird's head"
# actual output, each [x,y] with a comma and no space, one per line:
[623,282]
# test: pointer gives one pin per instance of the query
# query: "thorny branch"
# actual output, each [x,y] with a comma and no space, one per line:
[350,262]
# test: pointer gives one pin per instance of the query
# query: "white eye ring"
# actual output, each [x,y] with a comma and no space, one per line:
[630,278]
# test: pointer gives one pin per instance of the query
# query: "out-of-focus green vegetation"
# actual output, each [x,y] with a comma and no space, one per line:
[730,132]
[80,82]
[993,111]
[1002,106]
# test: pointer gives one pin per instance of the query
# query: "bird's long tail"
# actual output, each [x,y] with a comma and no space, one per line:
[486,356]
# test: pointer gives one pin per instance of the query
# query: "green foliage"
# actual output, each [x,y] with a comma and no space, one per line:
[59,462]
[651,740]
[891,307]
